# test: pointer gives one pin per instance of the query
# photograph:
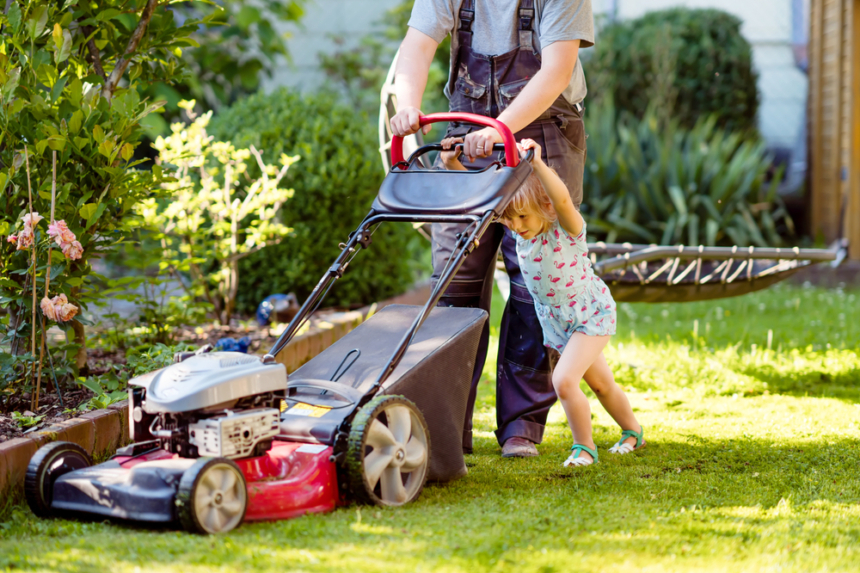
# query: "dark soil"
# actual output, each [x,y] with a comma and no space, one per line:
[101,360]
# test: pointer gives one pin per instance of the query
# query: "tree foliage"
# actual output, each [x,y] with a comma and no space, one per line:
[235,47]
[69,78]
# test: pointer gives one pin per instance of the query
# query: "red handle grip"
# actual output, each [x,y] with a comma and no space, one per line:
[511,156]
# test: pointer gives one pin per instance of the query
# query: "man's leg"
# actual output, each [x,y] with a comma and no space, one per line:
[472,287]
[524,392]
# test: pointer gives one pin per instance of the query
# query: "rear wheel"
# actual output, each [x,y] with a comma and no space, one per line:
[388,452]
[50,462]
[212,496]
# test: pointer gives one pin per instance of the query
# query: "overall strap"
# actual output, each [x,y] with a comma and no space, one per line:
[467,17]
[525,20]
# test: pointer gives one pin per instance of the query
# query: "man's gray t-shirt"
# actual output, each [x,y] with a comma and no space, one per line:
[495,29]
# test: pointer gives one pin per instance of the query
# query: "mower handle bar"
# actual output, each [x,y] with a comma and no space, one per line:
[438,147]
[511,156]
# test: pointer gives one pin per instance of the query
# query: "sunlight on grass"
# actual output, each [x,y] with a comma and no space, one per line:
[750,466]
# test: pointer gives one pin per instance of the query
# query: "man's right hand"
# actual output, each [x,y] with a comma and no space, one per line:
[405,122]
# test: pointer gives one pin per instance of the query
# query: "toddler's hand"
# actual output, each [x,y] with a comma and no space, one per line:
[450,157]
[527,144]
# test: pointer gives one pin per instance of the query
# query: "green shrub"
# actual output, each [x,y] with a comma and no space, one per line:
[690,63]
[647,182]
[335,182]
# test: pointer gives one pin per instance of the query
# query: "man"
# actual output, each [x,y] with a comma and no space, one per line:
[518,62]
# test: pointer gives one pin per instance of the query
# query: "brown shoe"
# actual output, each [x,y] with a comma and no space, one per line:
[518,448]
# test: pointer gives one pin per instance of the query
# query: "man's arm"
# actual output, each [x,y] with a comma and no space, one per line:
[410,80]
[558,62]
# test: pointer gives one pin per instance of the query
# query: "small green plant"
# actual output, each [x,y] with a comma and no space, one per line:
[148,358]
[26,422]
[112,386]
[108,389]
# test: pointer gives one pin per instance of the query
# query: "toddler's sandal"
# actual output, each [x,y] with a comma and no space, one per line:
[623,447]
[576,461]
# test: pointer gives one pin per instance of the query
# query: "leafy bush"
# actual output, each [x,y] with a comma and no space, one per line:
[692,63]
[69,73]
[659,183]
[335,182]
[216,213]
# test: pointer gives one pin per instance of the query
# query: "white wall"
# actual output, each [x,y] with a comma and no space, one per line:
[767,25]
[349,20]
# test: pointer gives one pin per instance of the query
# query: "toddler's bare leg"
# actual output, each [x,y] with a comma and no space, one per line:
[579,354]
[601,381]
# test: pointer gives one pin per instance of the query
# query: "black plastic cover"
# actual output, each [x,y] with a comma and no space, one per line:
[444,192]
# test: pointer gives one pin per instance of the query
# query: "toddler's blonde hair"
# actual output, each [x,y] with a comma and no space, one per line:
[531,198]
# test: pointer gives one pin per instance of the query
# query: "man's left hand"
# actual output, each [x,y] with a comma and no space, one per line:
[480,143]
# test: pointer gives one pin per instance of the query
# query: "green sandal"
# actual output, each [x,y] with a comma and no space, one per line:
[575,460]
[623,447]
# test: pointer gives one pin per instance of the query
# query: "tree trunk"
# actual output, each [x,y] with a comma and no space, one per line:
[78,335]
[16,317]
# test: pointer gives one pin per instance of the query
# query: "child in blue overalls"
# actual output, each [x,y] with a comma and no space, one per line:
[574,307]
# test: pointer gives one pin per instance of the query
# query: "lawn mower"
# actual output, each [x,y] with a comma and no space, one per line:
[224,437]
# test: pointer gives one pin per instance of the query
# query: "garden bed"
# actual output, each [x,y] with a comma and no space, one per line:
[104,360]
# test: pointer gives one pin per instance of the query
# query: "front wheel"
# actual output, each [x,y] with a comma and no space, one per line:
[47,464]
[212,496]
[388,452]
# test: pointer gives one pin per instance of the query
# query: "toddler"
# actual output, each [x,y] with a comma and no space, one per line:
[574,307]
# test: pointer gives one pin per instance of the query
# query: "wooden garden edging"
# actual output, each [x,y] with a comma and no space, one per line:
[101,432]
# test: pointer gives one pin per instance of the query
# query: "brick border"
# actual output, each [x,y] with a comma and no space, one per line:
[101,432]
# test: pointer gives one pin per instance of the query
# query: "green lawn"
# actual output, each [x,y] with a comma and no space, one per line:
[751,465]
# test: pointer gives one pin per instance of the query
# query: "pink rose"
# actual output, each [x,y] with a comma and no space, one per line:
[61,233]
[12,239]
[67,312]
[58,309]
[25,238]
[73,250]
[48,309]
[35,220]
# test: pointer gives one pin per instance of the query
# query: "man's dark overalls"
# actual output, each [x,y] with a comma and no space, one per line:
[486,85]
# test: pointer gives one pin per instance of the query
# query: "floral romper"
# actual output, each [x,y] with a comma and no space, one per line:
[568,296]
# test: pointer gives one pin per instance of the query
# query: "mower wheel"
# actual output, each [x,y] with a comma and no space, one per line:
[212,496]
[388,452]
[50,462]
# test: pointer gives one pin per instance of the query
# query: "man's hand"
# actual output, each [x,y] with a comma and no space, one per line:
[480,143]
[405,122]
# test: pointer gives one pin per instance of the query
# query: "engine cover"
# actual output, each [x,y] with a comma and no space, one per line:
[208,380]
[236,434]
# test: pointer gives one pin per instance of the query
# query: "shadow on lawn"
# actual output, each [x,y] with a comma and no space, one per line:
[820,383]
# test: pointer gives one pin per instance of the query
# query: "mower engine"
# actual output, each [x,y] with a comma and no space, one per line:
[220,404]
